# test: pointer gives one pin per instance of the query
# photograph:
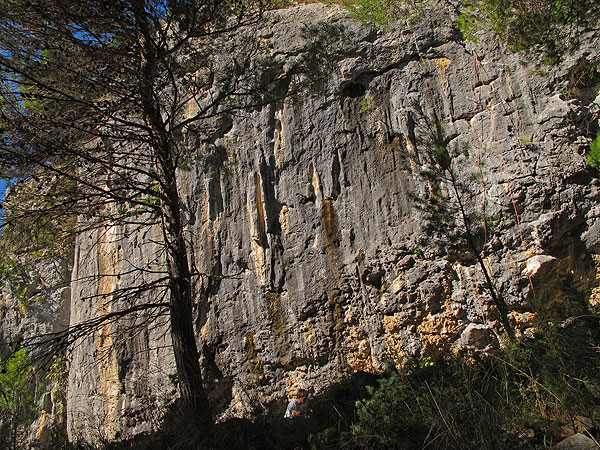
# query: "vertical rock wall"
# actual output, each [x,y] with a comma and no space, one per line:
[123,372]
[320,259]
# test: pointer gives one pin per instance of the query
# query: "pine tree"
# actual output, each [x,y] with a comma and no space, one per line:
[99,92]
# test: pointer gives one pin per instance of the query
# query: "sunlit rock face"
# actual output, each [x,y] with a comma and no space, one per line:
[318,233]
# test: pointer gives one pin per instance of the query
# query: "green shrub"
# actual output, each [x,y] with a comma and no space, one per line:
[551,26]
[527,395]
[382,13]
[593,155]
[17,399]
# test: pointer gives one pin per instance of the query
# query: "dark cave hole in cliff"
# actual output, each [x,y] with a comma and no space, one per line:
[227,127]
[353,89]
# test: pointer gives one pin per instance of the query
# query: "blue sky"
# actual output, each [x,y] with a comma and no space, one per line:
[3,185]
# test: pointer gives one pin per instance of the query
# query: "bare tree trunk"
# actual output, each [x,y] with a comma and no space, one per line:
[496,297]
[182,330]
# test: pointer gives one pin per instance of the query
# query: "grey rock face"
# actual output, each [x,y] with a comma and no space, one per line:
[323,256]
[35,299]
[479,336]
[576,442]
[42,308]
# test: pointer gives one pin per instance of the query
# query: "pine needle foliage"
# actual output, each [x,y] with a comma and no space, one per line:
[550,27]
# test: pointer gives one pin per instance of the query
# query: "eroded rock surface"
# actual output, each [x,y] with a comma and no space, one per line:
[324,259]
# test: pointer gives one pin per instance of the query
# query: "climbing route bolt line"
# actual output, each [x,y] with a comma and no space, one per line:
[479,73]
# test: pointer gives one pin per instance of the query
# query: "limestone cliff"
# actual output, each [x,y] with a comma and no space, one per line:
[322,253]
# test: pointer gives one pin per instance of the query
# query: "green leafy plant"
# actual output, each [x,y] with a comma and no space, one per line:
[593,155]
[57,375]
[149,198]
[17,400]
[367,105]
[426,361]
[13,277]
[468,24]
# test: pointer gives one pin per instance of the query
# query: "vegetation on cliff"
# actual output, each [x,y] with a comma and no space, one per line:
[17,397]
[549,27]
[106,96]
[37,231]
[530,395]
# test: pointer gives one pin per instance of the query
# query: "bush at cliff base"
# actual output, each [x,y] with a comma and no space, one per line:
[529,395]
